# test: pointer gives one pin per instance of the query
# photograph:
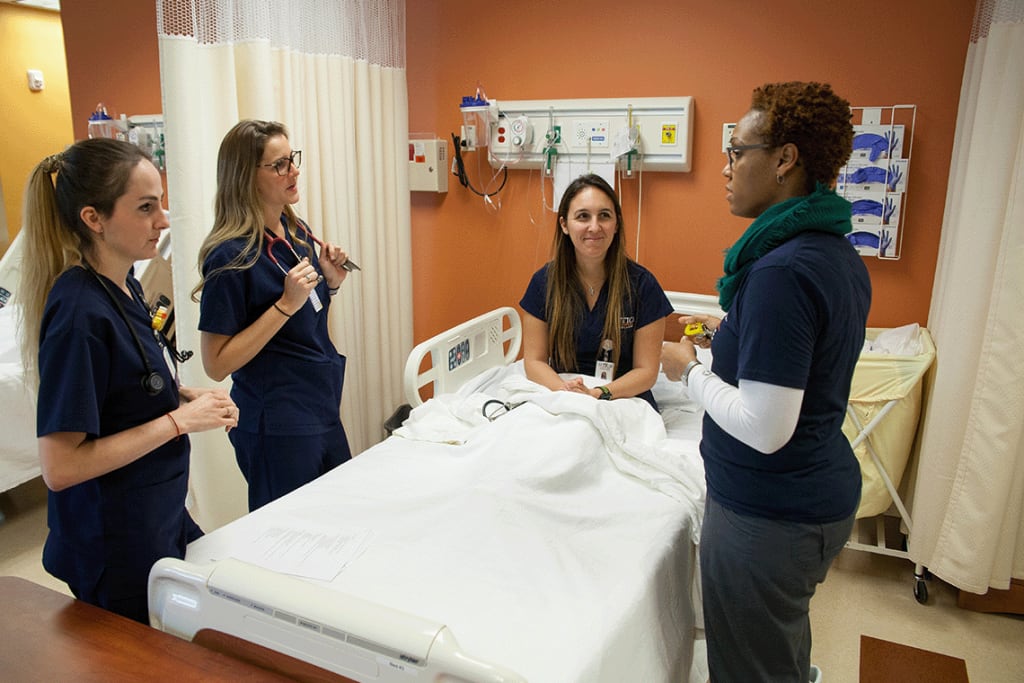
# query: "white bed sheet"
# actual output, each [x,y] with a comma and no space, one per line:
[557,541]
[19,458]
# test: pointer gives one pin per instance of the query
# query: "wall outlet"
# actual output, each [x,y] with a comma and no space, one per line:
[35,80]
[727,129]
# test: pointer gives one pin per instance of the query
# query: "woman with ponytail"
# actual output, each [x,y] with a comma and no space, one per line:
[112,420]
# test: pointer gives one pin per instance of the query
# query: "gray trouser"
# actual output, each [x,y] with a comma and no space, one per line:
[758,576]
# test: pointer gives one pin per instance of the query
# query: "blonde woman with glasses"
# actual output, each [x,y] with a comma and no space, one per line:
[267,284]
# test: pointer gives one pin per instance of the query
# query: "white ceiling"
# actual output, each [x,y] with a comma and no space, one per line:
[41,4]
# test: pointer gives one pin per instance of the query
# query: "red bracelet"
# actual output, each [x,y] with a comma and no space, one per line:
[177,429]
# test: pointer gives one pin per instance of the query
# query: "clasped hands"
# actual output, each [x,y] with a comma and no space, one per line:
[577,385]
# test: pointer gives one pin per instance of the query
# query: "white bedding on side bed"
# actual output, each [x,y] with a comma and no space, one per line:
[19,458]
[556,541]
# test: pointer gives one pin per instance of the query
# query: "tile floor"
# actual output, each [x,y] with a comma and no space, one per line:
[865,593]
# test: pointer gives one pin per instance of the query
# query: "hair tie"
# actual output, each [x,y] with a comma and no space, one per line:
[53,163]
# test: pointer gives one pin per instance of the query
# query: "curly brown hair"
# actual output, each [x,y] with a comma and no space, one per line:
[813,118]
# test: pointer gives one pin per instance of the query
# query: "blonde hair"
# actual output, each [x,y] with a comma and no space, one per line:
[89,173]
[238,209]
[565,301]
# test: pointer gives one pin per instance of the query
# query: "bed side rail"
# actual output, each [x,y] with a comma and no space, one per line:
[463,352]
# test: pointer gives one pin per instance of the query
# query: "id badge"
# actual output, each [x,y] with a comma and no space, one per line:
[315,300]
[604,370]
[172,366]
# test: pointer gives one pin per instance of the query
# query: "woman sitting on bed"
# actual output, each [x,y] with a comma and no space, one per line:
[111,416]
[592,310]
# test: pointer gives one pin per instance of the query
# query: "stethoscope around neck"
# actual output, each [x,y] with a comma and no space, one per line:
[152,381]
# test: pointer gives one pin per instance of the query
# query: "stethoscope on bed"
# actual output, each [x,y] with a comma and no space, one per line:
[152,381]
[494,408]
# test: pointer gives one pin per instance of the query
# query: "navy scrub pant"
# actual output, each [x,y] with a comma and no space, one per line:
[276,465]
[758,576]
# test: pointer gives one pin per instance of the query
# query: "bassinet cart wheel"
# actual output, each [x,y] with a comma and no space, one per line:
[920,590]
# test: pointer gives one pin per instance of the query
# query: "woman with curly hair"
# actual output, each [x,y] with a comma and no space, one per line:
[783,484]
[592,310]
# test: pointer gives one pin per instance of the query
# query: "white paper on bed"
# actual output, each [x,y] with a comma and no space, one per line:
[523,536]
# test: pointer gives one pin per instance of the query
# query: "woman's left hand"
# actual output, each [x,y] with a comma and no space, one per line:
[332,258]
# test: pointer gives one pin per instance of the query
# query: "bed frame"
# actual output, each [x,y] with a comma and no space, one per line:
[332,631]
[465,351]
[494,339]
[328,631]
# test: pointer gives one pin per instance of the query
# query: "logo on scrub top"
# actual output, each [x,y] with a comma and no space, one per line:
[626,322]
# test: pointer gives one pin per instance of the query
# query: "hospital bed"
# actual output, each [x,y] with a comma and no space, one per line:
[19,461]
[551,541]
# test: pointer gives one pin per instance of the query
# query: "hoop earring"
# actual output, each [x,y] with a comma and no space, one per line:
[780,179]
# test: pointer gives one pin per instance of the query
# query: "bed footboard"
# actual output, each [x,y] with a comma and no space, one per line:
[336,632]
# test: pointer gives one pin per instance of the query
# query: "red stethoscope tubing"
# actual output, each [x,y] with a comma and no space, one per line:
[272,239]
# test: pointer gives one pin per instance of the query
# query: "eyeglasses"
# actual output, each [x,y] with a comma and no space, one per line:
[731,150]
[283,165]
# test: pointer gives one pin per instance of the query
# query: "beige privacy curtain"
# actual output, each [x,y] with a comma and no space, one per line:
[970,488]
[333,71]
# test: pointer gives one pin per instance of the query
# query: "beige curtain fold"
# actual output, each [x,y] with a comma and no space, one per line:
[969,496]
[333,71]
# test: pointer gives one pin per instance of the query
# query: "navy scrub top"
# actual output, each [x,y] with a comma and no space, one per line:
[649,304]
[293,385]
[797,321]
[91,381]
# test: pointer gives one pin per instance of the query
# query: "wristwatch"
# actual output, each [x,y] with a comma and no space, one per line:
[687,370]
[606,393]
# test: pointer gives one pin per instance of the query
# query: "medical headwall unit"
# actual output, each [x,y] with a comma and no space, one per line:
[652,133]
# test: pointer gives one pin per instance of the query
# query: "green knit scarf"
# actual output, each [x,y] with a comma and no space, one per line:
[822,210]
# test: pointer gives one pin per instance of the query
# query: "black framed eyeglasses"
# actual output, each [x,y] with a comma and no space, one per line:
[731,150]
[283,165]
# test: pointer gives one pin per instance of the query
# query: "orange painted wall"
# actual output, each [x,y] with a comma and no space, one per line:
[113,58]
[32,124]
[469,258]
